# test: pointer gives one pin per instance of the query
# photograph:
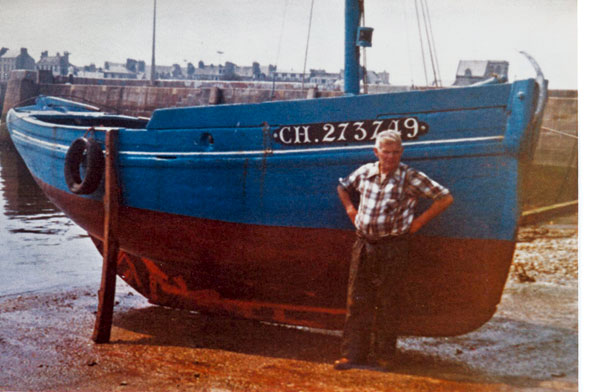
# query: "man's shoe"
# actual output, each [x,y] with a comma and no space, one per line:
[344,364]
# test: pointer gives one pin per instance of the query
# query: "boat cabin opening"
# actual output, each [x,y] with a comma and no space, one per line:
[111,121]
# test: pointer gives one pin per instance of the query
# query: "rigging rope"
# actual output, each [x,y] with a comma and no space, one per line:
[421,40]
[422,12]
[434,57]
[408,44]
[285,6]
[426,28]
[312,3]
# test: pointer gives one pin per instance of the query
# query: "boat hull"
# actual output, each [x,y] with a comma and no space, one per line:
[232,209]
[293,275]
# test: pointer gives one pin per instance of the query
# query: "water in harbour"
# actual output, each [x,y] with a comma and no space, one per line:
[40,248]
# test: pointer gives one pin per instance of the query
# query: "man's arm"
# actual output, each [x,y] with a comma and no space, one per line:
[434,210]
[345,199]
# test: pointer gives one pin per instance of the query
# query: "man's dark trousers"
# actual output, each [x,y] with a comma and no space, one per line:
[374,270]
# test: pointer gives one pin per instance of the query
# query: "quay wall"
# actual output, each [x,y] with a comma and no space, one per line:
[137,98]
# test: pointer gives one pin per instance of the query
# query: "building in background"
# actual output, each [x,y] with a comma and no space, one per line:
[59,64]
[14,59]
[118,71]
[378,77]
[132,69]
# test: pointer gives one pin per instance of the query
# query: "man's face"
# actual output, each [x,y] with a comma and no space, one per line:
[389,154]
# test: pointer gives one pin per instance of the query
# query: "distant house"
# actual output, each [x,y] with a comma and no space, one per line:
[59,64]
[378,77]
[473,71]
[14,59]
[117,71]
[90,71]
[163,71]
[231,71]
[208,72]
[137,66]
[290,76]
[320,77]
[244,72]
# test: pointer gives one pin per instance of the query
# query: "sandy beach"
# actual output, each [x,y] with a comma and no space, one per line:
[531,344]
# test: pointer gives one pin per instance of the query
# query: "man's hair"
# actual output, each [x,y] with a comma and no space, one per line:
[388,136]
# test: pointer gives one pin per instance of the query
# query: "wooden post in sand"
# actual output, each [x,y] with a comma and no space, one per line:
[110,251]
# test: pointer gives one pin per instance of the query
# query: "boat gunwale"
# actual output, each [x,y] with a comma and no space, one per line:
[60,147]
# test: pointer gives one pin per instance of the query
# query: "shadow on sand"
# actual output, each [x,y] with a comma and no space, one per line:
[170,327]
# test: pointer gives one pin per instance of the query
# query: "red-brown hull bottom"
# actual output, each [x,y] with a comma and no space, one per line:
[293,275]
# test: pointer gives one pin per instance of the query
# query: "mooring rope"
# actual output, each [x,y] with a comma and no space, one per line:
[560,132]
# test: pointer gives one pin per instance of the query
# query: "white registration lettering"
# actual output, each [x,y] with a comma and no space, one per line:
[412,124]
[377,126]
[330,129]
[359,127]
[343,126]
[282,136]
[304,132]
[395,128]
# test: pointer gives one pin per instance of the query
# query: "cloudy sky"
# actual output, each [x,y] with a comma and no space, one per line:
[276,31]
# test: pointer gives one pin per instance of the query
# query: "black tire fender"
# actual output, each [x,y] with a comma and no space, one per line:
[88,150]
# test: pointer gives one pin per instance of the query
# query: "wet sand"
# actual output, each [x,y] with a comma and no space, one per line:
[531,344]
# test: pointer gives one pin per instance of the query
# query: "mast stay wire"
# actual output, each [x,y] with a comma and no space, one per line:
[426,28]
[421,41]
[312,3]
[285,7]
[422,11]
[436,64]
[408,43]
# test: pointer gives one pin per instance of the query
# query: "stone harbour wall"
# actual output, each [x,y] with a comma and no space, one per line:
[557,144]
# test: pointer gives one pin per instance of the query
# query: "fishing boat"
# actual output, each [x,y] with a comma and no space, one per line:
[232,209]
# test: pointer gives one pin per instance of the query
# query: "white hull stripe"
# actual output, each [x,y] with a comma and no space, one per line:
[61,147]
[39,142]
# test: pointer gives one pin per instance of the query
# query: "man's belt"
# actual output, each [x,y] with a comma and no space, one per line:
[381,240]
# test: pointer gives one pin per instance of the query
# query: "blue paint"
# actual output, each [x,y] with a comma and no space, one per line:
[239,175]
[351,52]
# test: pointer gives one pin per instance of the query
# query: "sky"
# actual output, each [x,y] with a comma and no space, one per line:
[276,32]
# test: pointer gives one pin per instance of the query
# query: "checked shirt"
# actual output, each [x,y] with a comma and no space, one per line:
[387,207]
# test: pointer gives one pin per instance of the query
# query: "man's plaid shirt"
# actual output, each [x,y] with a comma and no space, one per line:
[388,208]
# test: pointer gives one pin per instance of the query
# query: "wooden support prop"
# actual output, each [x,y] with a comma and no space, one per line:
[110,251]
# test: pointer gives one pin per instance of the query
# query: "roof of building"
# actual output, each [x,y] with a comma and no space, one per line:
[116,68]
[11,53]
[50,60]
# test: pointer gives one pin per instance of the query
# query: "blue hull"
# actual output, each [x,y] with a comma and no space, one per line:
[273,168]
[213,162]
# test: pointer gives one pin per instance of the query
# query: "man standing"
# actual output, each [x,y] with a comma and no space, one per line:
[385,219]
